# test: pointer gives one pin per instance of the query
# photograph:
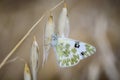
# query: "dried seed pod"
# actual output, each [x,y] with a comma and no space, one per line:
[67,27]
[63,23]
[27,74]
[49,31]
[34,57]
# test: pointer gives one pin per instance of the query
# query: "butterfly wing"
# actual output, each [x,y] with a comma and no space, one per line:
[70,52]
[84,49]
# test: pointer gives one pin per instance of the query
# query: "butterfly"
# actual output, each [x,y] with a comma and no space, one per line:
[69,52]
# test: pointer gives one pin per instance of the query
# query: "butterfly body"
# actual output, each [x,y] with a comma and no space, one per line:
[69,52]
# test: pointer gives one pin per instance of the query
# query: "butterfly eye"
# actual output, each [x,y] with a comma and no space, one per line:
[82,53]
[77,45]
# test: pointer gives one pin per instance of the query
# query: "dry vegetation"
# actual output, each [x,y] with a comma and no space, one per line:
[93,21]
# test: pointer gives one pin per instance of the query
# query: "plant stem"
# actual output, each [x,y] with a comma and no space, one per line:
[27,34]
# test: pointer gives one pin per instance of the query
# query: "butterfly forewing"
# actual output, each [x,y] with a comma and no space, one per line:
[70,52]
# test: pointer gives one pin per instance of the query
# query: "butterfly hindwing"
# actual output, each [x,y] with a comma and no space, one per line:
[66,53]
[70,52]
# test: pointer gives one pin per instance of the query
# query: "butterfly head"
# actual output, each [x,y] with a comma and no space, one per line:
[54,39]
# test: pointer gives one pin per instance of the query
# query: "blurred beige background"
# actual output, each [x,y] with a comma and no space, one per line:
[92,21]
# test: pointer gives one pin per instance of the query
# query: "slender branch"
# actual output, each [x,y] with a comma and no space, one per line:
[26,35]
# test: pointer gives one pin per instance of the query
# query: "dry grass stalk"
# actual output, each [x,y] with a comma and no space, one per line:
[26,35]
[63,22]
[27,74]
[49,31]
[34,58]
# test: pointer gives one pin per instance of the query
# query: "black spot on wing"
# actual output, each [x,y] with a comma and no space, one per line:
[77,45]
[82,53]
